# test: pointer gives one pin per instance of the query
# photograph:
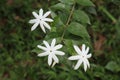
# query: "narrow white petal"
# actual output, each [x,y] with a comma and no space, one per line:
[47,19]
[42,27]
[89,55]
[77,49]
[55,58]
[34,26]
[53,43]
[46,44]
[41,47]
[74,57]
[83,48]
[49,60]
[78,64]
[46,25]
[87,50]
[43,54]
[35,15]
[33,21]
[87,62]
[85,65]
[41,12]
[59,53]
[46,14]
[58,46]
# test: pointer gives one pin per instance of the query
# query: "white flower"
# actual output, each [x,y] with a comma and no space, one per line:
[82,57]
[41,19]
[51,51]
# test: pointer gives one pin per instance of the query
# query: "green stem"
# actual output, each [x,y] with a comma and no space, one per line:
[67,23]
[108,14]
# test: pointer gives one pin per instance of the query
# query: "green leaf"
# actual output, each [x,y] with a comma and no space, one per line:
[57,22]
[69,46]
[113,66]
[81,16]
[85,2]
[81,41]
[77,29]
[51,35]
[68,2]
[58,25]
[118,30]
[60,6]
[62,11]
[91,10]
[64,16]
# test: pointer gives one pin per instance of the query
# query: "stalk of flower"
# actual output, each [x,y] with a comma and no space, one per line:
[82,57]
[53,64]
[41,20]
[51,51]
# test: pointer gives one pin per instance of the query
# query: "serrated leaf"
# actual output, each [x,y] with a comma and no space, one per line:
[81,16]
[85,2]
[78,29]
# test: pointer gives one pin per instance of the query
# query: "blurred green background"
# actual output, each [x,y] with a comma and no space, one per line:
[18,62]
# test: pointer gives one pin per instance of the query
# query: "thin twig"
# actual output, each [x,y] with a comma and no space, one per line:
[67,23]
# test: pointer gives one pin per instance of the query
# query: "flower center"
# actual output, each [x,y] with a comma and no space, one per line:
[83,56]
[40,19]
[50,50]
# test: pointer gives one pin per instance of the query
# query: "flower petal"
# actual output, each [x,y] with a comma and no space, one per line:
[58,46]
[42,27]
[78,64]
[87,50]
[85,65]
[34,26]
[46,25]
[41,47]
[77,49]
[89,55]
[53,43]
[47,19]
[35,15]
[83,48]
[49,60]
[46,44]
[59,53]
[55,58]
[43,54]
[41,12]
[87,62]
[33,21]
[46,14]
[74,57]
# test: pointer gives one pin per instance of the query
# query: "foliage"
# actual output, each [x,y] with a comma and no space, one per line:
[95,23]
